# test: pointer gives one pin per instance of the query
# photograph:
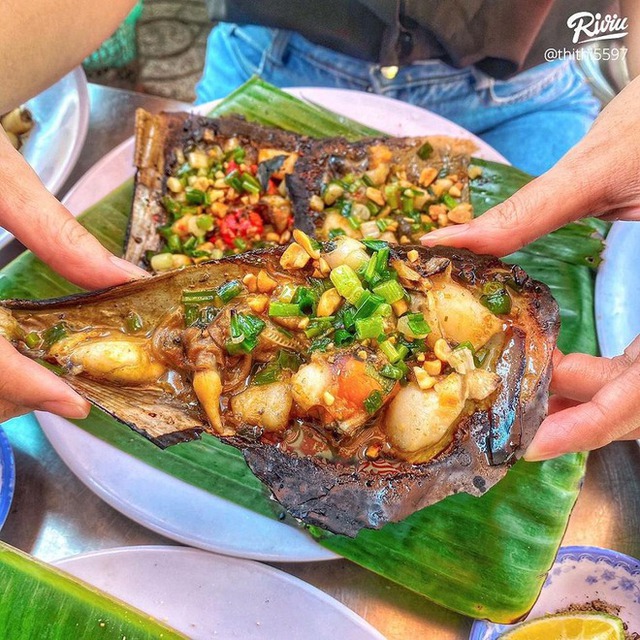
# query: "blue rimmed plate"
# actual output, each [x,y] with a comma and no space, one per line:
[579,576]
[7,477]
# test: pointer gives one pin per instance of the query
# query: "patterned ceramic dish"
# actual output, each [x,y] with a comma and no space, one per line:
[579,576]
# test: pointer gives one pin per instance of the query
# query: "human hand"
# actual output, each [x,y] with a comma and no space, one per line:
[600,176]
[596,403]
[41,223]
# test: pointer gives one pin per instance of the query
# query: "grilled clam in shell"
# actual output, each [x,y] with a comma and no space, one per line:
[362,382]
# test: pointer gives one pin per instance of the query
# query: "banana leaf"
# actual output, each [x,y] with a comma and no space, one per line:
[40,601]
[483,557]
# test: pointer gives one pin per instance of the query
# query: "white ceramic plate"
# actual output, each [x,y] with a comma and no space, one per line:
[617,297]
[157,500]
[61,115]
[207,596]
[579,576]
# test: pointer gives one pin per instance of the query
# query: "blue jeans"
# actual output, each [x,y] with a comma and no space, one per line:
[532,119]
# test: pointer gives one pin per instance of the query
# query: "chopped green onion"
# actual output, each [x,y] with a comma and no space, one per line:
[391,290]
[392,372]
[347,283]
[450,201]
[418,325]
[345,207]
[384,310]
[374,245]
[320,344]
[342,338]
[332,192]
[391,192]
[250,184]
[32,339]
[368,181]
[229,290]
[205,222]
[319,326]
[390,351]
[233,180]
[367,304]
[191,314]
[374,209]
[346,316]
[287,292]
[172,207]
[267,375]
[54,334]
[195,196]
[240,243]
[407,203]
[496,298]
[173,243]
[394,353]
[382,260]
[334,233]
[245,330]
[354,222]
[284,310]
[425,151]
[189,244]
[288,360]
[465,345]
[369,327]
[238,154]
[199,297]
[133,322]
[383,223]
[305,299]
[373,402]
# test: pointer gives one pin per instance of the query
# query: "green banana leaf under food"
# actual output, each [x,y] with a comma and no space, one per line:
[484,557]
[40,601]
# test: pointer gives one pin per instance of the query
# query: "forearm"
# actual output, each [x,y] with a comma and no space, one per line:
[41,40]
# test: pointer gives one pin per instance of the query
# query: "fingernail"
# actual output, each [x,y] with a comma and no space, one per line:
[537,453]
[434,237]
[129,268]
[66,409]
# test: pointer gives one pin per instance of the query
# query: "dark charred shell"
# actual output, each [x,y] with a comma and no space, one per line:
[157,139]
[339,497]
[333,158]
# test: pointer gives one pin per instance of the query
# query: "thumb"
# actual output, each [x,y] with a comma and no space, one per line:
[543,205]
[42,224]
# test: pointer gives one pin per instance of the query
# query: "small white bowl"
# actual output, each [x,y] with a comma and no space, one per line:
[579,576]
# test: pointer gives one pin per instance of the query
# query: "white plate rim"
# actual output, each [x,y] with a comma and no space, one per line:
[74,201]
[256,568]
[79,79]
[84,111]
[298,544]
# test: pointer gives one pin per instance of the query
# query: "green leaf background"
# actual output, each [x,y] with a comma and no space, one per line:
[484,557]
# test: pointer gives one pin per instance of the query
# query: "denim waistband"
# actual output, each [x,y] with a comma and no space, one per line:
[278,44]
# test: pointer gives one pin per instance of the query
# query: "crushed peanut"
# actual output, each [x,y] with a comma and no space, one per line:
[265,283]
[251,282]
[294,257]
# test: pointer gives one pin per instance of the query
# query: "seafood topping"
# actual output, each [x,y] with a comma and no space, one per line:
[395,190]
[220,188]
[361,380]
[347,341]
